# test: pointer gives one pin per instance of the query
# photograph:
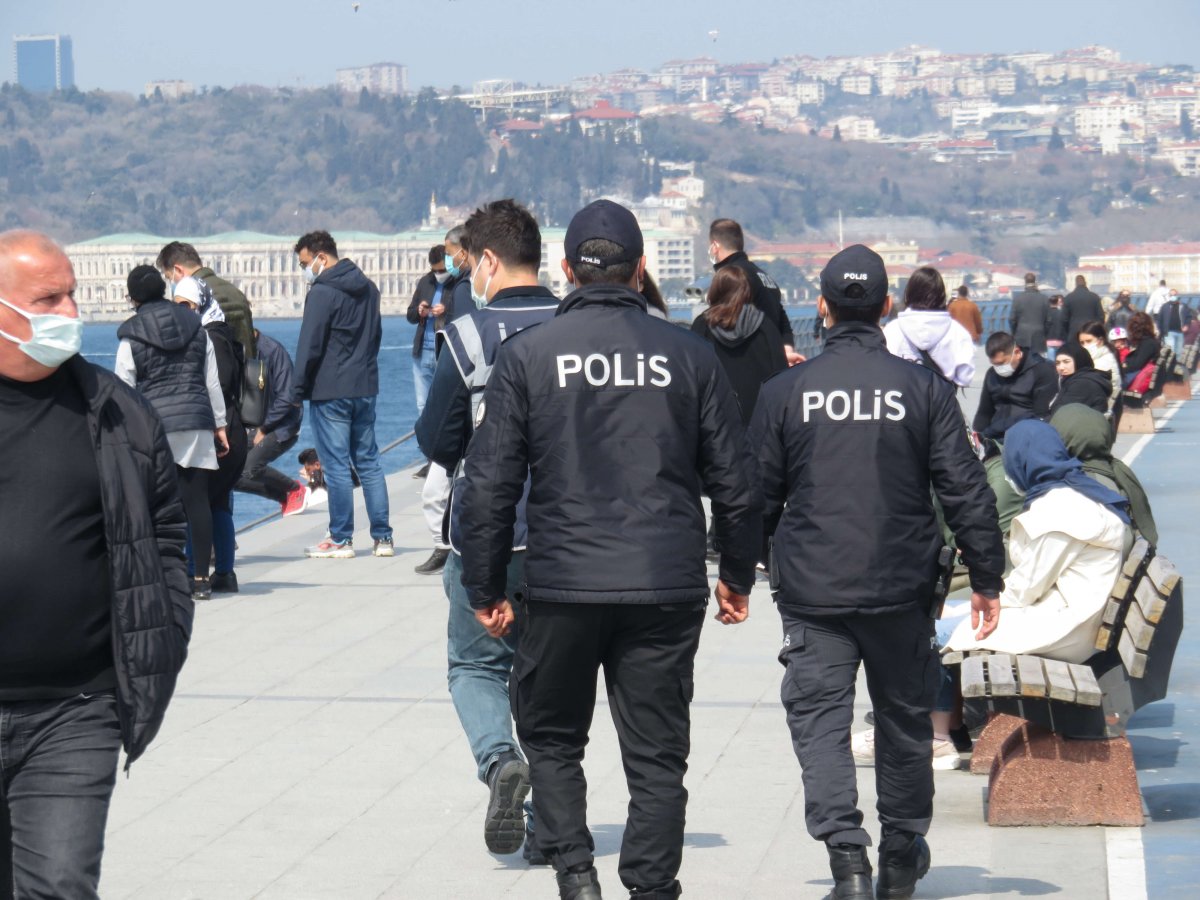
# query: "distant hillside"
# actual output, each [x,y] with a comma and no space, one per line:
[79,165]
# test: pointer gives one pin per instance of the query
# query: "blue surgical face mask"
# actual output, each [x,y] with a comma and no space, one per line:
[452,267]
[310,271]
[53,340]
[481,300]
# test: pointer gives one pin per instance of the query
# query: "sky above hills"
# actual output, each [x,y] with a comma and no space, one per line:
[121,44]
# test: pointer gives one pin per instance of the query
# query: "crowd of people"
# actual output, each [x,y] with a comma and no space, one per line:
[570,444]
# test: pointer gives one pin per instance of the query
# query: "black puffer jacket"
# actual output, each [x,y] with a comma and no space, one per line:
[145,531]
[622,420]
[169,350]
[1091,387]
[848,444]
[1025,394]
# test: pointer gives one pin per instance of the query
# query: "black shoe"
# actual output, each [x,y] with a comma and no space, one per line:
[224,582]
[851,872]
[504,827]
[433,565]
[201,589]
[583,885]
[903,861]
[962,739]
[421,472]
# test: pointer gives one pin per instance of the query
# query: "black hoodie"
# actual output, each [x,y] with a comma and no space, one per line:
[750,353]
[337,357]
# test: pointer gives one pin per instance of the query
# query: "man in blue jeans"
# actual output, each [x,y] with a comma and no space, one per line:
[337,371]
[506,251]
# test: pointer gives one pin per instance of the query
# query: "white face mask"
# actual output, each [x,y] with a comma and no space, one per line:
[310,271]
[481,300]
[441,277]
[54,339]
[712,257]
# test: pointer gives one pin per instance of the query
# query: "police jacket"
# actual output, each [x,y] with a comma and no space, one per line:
[622,421]
[1025,394]
[337,357]
[766,293]
[471,345]
[169,349]
[145,530]
[848,444]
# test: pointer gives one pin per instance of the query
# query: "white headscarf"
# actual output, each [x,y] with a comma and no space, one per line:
[197,291]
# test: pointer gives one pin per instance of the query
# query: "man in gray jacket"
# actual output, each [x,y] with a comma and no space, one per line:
[1029,320]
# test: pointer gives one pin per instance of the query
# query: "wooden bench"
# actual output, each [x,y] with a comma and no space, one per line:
[1178,384]
[1136,415]
[1054,748]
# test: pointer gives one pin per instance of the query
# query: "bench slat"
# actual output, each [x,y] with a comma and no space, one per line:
[953,658]
[1134,659]
[1087,689]
[1058,675]
[1140,631]
[1152,605]
[1105,637]
[1000,675]
[1031,677]
[973,682]
[1164,575]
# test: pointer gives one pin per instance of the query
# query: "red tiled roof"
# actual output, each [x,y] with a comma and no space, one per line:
[605,110]
[519,125]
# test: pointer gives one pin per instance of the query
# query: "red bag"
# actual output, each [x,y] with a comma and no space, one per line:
[1141,381]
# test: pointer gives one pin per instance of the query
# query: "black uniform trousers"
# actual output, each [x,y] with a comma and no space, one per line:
[822,655]
[647,653]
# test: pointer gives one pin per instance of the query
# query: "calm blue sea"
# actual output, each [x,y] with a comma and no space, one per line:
[396,409]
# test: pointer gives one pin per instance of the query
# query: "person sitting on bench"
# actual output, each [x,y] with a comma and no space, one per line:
[1088,436]
[1066,546]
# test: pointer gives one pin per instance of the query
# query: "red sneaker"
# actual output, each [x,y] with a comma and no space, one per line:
[297,500]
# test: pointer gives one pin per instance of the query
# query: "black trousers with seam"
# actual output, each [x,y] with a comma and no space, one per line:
[647,653]
[822,655]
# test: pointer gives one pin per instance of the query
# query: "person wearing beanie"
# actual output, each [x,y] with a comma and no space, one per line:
[166,354]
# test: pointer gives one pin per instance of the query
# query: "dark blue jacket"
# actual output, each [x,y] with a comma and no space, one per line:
[337,357]
[283,416]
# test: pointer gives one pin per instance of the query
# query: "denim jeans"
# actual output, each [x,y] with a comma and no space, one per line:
[479,667]
[58,759]
[344,431]
[423,367]
[1174,340]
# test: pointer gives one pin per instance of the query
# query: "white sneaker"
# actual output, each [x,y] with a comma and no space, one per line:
[945,757]
[862,745]
[330,549]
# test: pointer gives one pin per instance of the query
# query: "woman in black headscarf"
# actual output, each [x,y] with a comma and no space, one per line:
[1079,381]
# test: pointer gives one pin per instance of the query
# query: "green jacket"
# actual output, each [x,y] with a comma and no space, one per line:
[1089,438]
[235,306]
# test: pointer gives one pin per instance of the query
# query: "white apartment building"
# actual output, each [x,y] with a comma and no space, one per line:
[380,78]
[170,90]
[857,128]
[1094,119]
[810,93]
[857,83]
[1139,267]
[264,266]
[1184,157]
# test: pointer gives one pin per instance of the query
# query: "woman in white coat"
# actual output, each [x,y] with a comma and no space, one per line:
[1067,547]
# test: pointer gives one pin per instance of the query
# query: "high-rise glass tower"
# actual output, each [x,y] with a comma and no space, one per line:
[43,62]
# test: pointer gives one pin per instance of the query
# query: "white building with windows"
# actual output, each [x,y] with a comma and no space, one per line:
[1140,267]
[380,78]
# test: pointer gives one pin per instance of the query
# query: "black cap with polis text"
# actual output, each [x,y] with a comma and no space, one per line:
[855,277]
[608,221]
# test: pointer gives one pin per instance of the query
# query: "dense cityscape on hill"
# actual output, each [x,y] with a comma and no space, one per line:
[989,164]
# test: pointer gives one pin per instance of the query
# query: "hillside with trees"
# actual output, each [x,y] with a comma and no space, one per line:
[79,165]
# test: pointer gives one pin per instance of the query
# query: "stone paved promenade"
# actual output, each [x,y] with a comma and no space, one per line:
[312,752]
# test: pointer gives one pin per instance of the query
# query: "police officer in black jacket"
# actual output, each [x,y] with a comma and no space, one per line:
[621,421]
[848,445]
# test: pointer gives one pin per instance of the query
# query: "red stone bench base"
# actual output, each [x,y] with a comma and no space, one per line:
[1041,778]
[1177,390]
[1136,420]
[991,739]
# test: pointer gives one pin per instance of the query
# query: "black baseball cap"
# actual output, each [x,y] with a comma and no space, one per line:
[855,277]
[604,220]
